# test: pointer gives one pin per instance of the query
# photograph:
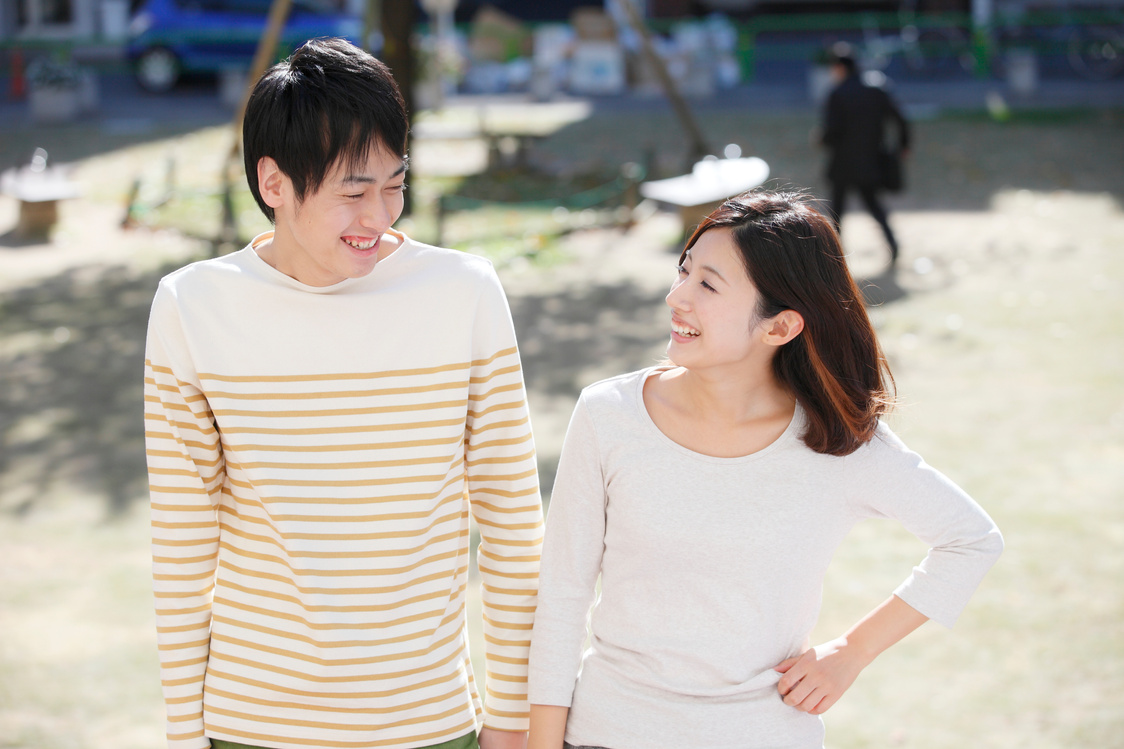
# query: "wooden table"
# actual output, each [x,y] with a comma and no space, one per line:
[38,193]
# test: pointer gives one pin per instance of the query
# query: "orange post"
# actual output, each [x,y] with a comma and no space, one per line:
[18,86]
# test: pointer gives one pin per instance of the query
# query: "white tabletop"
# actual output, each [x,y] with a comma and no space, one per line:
[38,186]
[710,180]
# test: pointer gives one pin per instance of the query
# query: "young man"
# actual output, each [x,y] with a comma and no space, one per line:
[325,409]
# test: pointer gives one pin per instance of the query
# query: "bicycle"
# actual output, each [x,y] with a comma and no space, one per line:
[1096,52]
[1092,40]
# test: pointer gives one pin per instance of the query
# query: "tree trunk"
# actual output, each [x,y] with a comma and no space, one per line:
[398,54]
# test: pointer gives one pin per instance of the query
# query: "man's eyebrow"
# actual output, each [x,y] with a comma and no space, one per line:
[366,179]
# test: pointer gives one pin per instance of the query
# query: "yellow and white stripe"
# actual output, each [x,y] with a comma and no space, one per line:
[311,535]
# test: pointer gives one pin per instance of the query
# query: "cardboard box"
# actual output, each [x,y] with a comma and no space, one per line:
[597,68]
[593,25]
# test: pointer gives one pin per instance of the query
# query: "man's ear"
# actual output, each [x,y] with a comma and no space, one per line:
[272,183]
[784,327]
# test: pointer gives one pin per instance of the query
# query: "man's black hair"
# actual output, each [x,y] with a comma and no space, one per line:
[843,54]
[329,103]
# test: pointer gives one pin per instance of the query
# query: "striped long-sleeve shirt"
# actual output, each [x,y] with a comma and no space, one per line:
[314,457]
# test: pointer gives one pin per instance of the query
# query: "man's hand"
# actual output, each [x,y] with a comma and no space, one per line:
[816,679]
[490,738]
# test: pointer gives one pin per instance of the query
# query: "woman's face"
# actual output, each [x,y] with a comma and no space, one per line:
[713,307]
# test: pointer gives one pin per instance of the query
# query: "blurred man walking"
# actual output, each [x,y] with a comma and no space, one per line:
[855,129]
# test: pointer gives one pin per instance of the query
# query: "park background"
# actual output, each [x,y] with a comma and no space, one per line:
[1004,326]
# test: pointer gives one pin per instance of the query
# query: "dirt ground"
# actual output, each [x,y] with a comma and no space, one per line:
[1004,325]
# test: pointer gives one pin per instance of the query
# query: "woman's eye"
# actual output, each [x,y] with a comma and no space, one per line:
[681,270]
[708,287]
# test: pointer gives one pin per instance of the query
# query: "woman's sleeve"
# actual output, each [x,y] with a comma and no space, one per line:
[575,533]
[894,482]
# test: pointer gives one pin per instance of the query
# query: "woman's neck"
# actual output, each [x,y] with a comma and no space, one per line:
[723,397]
[719,415]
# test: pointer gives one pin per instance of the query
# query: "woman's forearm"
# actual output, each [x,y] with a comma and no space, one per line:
[815,680]
[884,626]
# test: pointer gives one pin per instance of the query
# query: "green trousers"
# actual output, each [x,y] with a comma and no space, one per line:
[468,741]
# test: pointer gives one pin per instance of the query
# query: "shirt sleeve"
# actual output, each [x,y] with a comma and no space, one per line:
[572,552]
[894,482]
[186,472]
[503,489]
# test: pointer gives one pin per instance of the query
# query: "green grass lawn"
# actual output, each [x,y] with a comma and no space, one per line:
[1005,333]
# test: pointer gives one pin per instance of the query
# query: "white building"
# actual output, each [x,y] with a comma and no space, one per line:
[72,20]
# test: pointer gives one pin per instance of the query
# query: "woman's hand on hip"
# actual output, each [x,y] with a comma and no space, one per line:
[815,680]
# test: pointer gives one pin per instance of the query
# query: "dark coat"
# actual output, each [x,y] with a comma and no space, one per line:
[855,131]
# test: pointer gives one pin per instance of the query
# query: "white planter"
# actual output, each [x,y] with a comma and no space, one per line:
[54,104]
[1022,71]
[63,103]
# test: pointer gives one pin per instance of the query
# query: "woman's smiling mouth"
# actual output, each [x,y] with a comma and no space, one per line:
[684,330]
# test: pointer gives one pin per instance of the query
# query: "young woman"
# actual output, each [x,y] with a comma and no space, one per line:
[709,495]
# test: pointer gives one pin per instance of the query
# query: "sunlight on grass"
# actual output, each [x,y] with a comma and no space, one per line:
[1005,341]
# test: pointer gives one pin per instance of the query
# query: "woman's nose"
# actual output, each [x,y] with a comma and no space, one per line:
[676,298]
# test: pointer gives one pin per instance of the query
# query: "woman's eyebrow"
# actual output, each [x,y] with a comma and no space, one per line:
[715,271]
[711,268]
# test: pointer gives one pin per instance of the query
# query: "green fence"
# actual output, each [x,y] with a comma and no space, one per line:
[760,39]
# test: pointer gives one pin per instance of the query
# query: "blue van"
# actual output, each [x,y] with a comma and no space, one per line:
[168,38]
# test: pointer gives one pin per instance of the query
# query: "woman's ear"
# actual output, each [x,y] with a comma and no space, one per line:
[783,327]
[271,182]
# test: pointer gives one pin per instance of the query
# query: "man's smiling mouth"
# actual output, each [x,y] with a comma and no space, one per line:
[361,244]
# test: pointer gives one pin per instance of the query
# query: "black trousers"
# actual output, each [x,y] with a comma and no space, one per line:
[869,197]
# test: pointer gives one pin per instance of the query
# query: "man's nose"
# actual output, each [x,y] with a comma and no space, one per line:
[376,214]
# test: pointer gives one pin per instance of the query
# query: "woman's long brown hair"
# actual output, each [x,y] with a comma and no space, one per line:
[835,367]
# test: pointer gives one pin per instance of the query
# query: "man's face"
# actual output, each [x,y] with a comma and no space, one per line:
[338,232]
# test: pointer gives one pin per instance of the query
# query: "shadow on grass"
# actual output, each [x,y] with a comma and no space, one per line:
[881,289]
[958,162]
[72,352]
[74,142]
[568,340]
[126,116]
[71,408]
[17,239]
[72,355]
